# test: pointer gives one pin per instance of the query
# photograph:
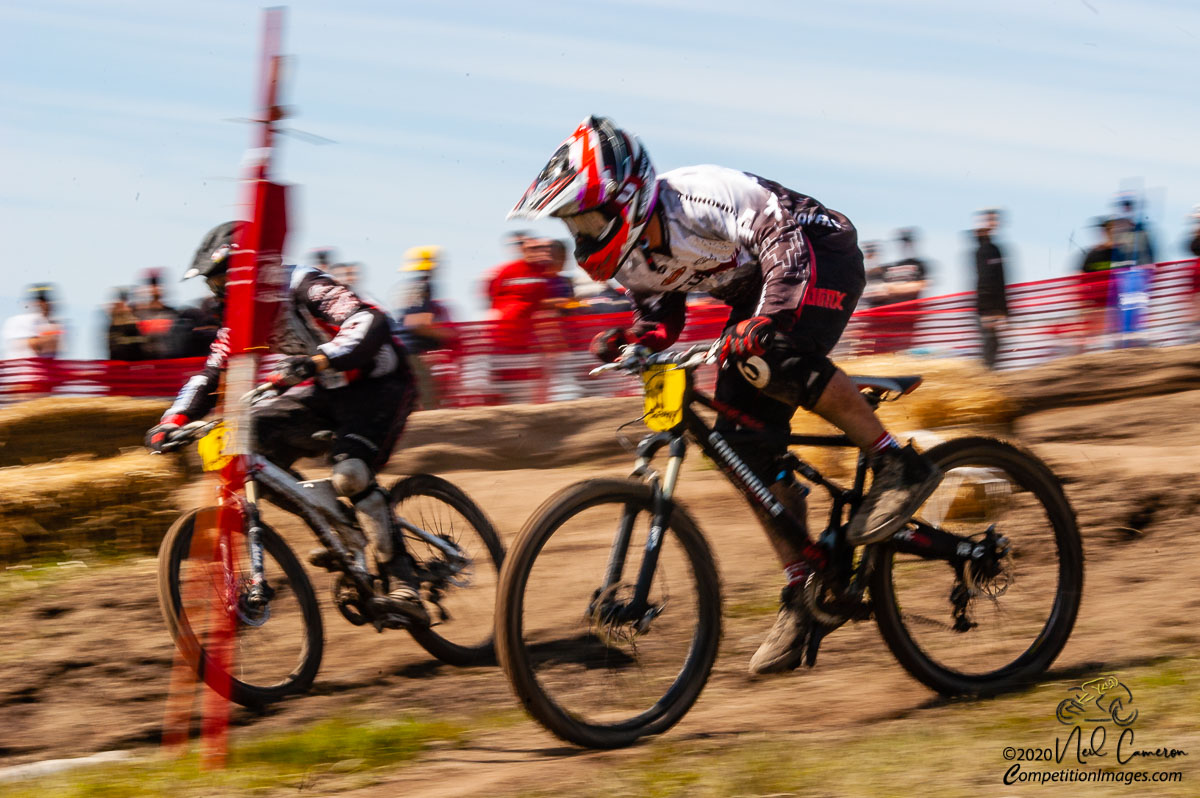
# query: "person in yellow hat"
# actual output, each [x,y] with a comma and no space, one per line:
[424,322]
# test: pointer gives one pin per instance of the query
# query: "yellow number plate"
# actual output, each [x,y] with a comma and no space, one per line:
[664,386]
[212,448]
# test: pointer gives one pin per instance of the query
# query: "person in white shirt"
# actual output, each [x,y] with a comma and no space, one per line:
[35,333]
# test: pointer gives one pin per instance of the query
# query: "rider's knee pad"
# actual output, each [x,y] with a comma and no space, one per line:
[797,379]
[352,478]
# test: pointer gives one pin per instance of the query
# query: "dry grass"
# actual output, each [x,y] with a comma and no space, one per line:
[39,430]
[112,505]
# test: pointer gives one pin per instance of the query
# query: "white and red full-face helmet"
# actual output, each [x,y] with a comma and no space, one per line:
[601,183]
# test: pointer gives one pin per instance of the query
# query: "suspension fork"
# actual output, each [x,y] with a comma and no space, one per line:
[662,507]
[259,592]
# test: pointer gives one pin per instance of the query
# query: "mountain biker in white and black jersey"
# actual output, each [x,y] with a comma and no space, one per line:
[344,371]
[791,272]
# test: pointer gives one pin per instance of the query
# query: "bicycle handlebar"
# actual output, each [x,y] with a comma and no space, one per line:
[188,433]
[635,358]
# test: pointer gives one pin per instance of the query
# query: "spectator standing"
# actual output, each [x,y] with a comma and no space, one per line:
[424,322]
[907,278]
[322,257]
[155,318]
[196,328]
[1137,245]
[348,274]
[36,337]
[37,333]
[1193,246]
[875,293]
[902,281]
[517,291]
[991,293]
[560,288]
[551,333]
[1096,283]
[125,339]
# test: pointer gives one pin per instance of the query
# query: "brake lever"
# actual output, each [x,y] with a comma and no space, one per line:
[631,355]
[602,369]
[251,396]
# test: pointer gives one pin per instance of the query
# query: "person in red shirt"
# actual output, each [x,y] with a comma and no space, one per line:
[517,291]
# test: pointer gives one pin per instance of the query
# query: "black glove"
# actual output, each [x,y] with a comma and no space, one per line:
[158,437]
[606,346]
[292,370]
[749,337]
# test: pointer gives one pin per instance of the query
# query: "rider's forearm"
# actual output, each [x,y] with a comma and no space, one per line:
[358,340]
[658,321]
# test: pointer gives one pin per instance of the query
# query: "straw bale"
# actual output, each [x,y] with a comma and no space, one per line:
[39,430]
[956,397]
[118,503]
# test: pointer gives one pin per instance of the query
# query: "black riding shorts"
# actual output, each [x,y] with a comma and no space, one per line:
[803,352]
[366,418]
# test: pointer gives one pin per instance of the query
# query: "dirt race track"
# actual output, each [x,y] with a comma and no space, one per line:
[86,660]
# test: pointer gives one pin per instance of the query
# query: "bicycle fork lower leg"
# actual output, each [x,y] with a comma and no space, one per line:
[258,593]
[663,504]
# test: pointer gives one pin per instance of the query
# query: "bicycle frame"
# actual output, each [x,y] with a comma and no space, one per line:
[322,512]
[917,538]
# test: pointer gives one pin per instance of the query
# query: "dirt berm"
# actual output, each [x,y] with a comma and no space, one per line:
[566,433]
[99,490]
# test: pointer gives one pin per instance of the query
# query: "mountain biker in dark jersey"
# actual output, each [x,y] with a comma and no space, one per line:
[791,272]
[345,370]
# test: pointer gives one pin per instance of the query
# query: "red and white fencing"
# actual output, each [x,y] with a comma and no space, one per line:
[1046,320]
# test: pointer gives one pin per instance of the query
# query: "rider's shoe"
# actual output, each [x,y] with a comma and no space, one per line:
[324,558]
[784,648]
[904,479]
[405,596]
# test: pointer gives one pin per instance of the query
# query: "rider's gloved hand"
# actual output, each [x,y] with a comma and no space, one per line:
[292,370]
[159,435]
[606,346]
[749,337]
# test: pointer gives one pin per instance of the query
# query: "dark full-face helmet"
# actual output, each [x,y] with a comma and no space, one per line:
[211,260]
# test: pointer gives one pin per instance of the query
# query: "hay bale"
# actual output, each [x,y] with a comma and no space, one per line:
[121,503]
[40,430]
[954,393]
[957,397]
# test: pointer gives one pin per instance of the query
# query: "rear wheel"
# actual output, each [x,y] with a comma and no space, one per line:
[250,655]
[589,674]
[461,590]
[1015,611]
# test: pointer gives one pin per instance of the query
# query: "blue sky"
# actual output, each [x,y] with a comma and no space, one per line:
[115,152]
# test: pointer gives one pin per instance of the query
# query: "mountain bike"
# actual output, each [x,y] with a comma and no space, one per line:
[253,586]
[975,595]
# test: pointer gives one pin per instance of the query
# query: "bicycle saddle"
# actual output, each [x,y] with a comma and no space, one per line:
[888,389]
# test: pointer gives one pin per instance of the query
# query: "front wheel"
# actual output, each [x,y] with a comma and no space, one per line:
[588,668]
[459,587]
[252,655]
[997,622]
